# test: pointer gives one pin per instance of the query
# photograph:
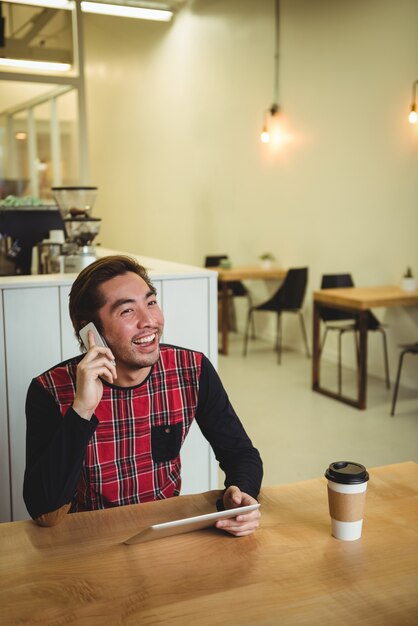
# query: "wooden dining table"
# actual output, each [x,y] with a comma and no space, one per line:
[228,275]
[357,300]
[291,571]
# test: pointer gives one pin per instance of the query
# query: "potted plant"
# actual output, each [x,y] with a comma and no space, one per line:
[408,281]
[266,260]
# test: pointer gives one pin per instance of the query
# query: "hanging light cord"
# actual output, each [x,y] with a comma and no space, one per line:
[414,92]
[276,55]
[274,108]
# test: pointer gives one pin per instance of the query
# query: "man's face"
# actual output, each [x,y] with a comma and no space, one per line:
[132,321]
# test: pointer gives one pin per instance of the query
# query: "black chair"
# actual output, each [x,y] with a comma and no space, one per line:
[343,321]
[236,288]
[409,348]
[287,299]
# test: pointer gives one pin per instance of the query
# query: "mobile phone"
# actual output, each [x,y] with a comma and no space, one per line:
[100,341]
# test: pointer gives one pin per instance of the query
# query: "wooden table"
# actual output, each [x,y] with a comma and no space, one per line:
[356,300]
[290,572]
[229,275]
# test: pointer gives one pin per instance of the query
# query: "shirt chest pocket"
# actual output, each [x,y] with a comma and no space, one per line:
[166,442]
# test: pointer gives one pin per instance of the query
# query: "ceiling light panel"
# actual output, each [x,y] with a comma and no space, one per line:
[144,11]
[48,4]
[124,10]
[26,64]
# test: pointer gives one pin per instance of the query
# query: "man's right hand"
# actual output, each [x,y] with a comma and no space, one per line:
[97,362]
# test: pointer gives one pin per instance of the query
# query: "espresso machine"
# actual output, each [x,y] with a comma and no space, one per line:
[76,205]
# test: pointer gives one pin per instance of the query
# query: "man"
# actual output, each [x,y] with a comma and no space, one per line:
[105,429]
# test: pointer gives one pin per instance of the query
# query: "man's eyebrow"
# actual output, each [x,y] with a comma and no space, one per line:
[124,301]
[121,302]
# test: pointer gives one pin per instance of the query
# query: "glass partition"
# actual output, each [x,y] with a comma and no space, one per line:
[43,126]
[39,143]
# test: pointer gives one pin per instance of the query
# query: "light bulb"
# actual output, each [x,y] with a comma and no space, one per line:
[413,117]
[265,137]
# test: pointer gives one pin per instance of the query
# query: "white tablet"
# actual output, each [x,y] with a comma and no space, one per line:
[186,525]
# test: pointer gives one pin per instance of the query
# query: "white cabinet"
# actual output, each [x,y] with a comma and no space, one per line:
[36,333]
[184,303]
[32,341]
[69,344]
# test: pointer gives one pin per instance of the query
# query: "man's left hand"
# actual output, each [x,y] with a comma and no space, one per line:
[242,524]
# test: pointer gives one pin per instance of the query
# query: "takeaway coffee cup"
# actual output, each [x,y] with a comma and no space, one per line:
[347,485]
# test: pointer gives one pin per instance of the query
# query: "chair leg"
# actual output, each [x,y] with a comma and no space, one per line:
[357,349]
[247,329]
[323,340]
[305,336]
[276,344]
[340,376]
[250,306]
[232,317]
[385,356]
[398,376]
[279,338]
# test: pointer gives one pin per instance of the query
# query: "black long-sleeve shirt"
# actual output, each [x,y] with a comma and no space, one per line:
[142,429]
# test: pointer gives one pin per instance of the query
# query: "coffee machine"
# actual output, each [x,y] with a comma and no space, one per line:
[76,205]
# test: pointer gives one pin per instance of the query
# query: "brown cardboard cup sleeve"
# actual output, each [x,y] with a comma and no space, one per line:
[346,507]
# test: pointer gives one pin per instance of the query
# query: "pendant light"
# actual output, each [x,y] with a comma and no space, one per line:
[413,117]
[274,109]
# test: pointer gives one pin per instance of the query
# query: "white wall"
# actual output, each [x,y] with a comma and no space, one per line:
[174,118]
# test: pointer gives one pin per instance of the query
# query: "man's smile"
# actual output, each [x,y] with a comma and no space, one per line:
[145,340]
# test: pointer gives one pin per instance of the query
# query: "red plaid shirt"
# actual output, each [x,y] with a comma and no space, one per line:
[133,455]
